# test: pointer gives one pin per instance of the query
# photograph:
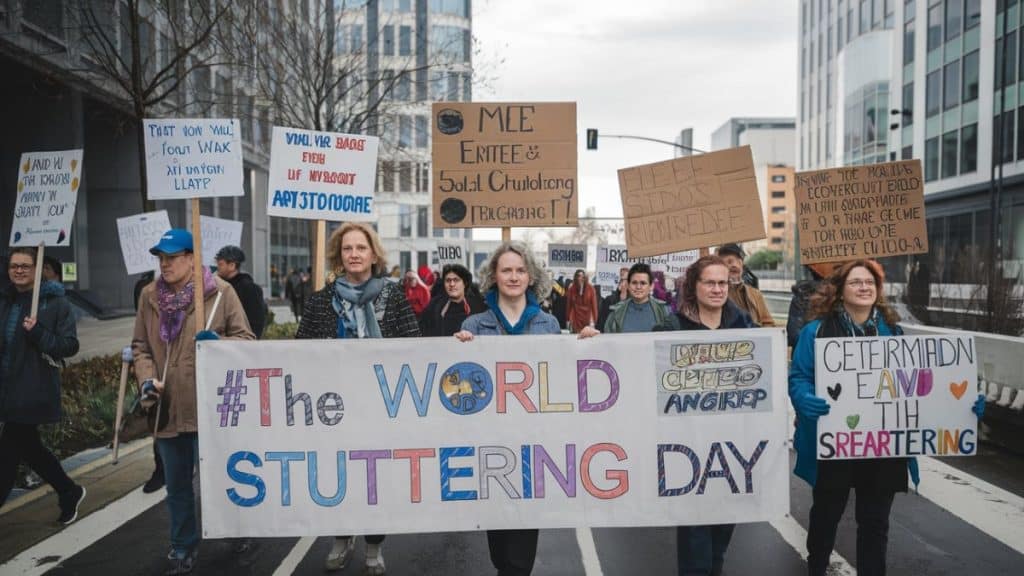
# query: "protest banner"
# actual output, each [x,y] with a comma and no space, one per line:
[47,187]
[567,257]
[612,258]
[425,435]
[691,202]
[322,175]
[870,211]
[192,158]
[504,164]
[450,253]
[137,234]
[218,233]
[893,397]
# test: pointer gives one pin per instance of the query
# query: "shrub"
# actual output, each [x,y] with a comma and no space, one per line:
[284,331]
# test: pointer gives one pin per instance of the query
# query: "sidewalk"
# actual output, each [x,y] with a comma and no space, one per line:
[101,337]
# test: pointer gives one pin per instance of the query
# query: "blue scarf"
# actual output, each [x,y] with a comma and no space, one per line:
[869,328]
[532,309]
[354,306]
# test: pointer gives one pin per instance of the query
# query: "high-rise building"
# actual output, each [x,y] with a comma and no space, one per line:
[780,217]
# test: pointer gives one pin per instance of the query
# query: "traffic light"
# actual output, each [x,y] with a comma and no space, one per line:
[591,138]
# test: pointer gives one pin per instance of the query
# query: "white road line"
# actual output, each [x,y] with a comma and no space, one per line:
[80,535]
[588,552]
[795,535]
[994,511]
[298,552]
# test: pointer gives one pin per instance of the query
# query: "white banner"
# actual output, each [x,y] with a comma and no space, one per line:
[567,257]
[139,233]
[323,437]
[893,397]
[193,158]
[322,175]
[47,194]
[218,233]
[614,257]
[450,253]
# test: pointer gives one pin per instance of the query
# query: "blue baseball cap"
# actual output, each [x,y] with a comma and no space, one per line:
[173,241]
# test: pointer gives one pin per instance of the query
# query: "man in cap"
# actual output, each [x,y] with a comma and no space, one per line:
[748,298]
[229,264]
[164,348]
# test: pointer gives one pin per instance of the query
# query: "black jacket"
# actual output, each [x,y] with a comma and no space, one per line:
[251,296]
[798,306]
[394,314]
[432,324]
[732,317]
[30,388]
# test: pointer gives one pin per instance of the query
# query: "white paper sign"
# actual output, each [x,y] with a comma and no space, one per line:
[218,233]
[323,437]
[567,257]
[449,253]
[193,158]
[138,234]
[47,193]
[611,258]
[322,175]
[894,397]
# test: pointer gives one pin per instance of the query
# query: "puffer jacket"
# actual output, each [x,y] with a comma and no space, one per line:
[178,400]
[30,386]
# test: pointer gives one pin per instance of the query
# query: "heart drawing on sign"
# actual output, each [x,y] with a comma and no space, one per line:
[852,421]
[835,391]
[958,388]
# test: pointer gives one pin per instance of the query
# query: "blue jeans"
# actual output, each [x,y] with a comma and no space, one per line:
[701,549]
[180,455]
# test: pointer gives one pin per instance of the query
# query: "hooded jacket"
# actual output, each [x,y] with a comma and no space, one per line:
[30,385]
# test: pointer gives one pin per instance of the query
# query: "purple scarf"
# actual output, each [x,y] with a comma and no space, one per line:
[172,305]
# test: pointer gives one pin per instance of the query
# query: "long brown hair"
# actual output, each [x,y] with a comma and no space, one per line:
[688,301]
[829,296]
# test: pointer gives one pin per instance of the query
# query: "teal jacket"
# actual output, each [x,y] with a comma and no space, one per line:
[617,317]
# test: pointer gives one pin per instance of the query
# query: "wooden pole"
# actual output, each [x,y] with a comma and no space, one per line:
[704,252]
[38,280]
[120,406]
[197,267]
[319,248]
[506,233]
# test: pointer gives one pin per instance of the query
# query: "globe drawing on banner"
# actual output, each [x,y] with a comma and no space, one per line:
[466,388]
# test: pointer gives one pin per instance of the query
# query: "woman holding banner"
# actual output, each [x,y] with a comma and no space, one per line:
[849,303]
[360,303]
[705,305]
[513,284]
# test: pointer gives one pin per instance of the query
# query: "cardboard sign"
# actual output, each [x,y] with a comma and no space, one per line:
[218,233]
[504,164]
[322,175]
[405,435]
[193,158]
[137,235]
[448,253]
[893,397]
[691,202]
[870,211]
[612,258]
[47,194]
[567,257]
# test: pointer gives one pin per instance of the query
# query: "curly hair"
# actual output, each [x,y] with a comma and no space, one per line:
[540,280]
[688,302]
[334,259]
[829,295]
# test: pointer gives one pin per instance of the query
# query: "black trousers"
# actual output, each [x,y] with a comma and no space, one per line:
[513,551]
[21,443]
[873,504]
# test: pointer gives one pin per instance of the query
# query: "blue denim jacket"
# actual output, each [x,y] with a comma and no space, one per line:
[487,324]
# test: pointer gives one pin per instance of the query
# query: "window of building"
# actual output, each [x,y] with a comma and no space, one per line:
[931,159]
[1020,133]
[387,35]
[970,77]
[422,217]
[908,42]
[446,42]
[954,14]
[437,85]
[803,62]
[839,32]
[934,27]
[972,13]
[422,132]
[1010,69]
[453,87]
[403,87]
[404,132]
[865,17]
[438,232]
[829,43]
[949,153]
[933,93]
[405,40]
[405,221]
[1007,128]
[907,152]
[778,225]
[776,240]
[968,148]
[907,116]
[467,87]
[405,176]
[776,178]
[849,23]
[405,257]
[951,85]
[778,209]
[876,14]
[456,7]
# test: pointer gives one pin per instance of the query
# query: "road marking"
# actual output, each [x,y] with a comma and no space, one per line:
[298,552]
[47,554]
[795,535]
[994,511]
[588,552]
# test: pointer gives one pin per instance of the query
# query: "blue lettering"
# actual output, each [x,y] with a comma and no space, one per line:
[420,396]
[245,478]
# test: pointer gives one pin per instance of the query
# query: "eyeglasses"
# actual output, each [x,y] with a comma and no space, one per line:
[452,280]
[21,267]
[721,285]
[861,283]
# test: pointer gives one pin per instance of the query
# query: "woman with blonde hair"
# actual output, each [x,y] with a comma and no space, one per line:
[359,303]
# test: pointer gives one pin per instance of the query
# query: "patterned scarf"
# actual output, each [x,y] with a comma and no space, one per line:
[869,328]
[354,306]
[532,309]
[173,305]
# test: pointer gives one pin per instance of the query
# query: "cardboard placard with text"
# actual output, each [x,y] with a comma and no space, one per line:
[691,202]
[193,158]
[870,211]
[504,164]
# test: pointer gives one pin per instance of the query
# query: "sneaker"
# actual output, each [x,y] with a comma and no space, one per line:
[69,504]
[374,560]
[155,482]
[181,562]
[340,553]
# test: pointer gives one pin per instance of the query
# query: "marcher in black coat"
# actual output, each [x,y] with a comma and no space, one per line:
[229,264]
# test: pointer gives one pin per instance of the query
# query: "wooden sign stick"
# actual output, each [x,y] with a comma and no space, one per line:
[198,298]
[319,248]
[120,406]
[506,233]
[38,279]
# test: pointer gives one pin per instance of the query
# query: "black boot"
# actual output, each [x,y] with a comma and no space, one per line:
[156,481]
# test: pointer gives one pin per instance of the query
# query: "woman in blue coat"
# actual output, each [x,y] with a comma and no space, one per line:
[850,303]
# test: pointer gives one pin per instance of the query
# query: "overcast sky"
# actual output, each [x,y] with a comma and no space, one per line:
[640,67]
